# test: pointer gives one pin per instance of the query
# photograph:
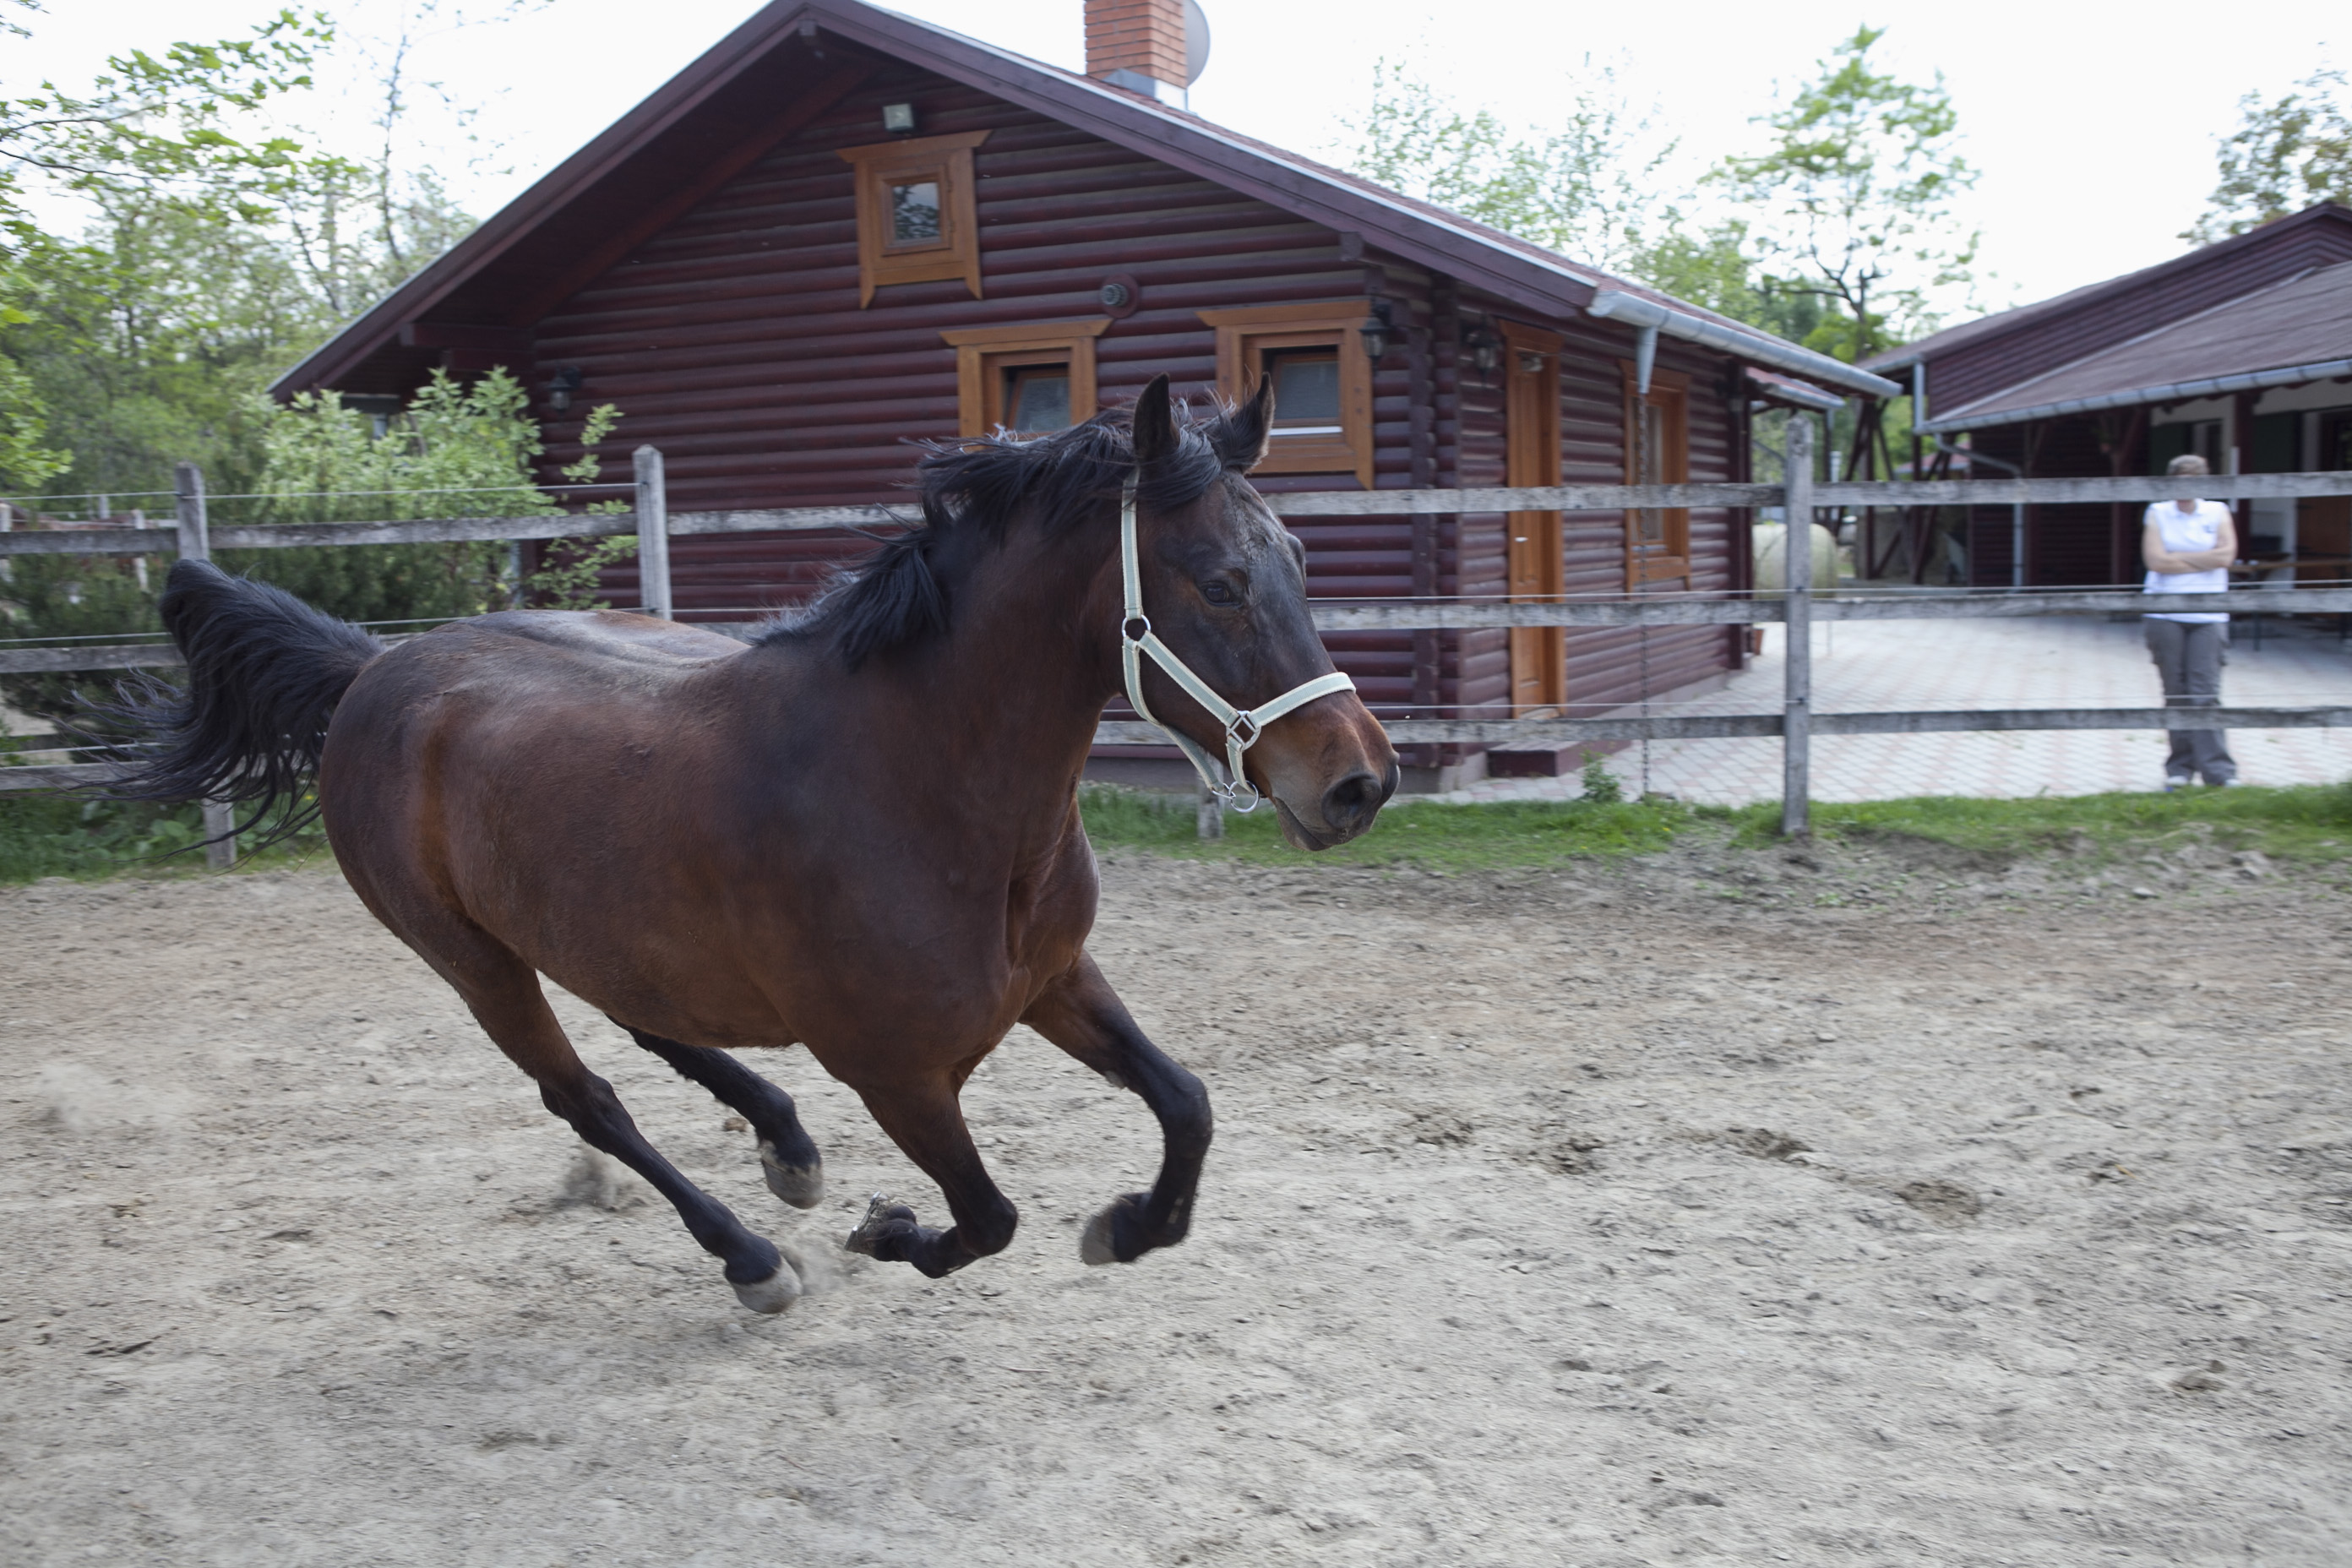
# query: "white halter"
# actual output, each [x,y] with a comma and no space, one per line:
[1243,727]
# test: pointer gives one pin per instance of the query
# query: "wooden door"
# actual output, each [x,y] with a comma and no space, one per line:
[1657,452]
[1537,564]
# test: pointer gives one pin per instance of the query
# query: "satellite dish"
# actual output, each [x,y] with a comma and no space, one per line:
[1196,41]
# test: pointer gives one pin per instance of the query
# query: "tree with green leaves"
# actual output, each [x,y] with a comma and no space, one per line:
[1584,190]
[1853,198]
[1598,190]
[159,121]
[148,147]
[2287,153]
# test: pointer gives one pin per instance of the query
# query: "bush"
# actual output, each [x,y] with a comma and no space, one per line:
[460,449]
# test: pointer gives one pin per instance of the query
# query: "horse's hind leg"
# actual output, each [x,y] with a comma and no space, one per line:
[924,1120]
[1082,1016]
[788,1155]
[504,994]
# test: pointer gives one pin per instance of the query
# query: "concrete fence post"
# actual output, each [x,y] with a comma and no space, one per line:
[196,544]
[1796,712]
[1209,814]
[653,535]
[188,493]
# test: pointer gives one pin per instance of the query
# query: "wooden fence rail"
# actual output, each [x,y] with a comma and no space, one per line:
[1317,503]
[654,525]
[1489,615]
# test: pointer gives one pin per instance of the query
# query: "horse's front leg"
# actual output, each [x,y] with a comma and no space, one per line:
[922,1117]
[1082,1016]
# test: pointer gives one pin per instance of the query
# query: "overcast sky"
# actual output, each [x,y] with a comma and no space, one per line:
[2094,125]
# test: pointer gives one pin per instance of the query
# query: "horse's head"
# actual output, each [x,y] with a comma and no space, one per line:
[1224,584]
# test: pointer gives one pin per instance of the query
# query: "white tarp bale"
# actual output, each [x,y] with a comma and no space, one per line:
[1772,547]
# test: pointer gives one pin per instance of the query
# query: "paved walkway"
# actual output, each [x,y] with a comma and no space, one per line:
[1869,666]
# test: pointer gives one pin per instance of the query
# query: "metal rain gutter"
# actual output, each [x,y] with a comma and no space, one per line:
[1801,395]
[1635,312]
[2170,391]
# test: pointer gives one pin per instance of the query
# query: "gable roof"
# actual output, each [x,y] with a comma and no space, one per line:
[2216,271]
[2290,332]
[721,112]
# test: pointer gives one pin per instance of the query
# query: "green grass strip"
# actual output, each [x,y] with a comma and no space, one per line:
[50,835]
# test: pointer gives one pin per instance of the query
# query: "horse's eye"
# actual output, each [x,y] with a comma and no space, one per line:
[1219,595]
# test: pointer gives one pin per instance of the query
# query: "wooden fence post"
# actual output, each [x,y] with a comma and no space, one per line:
[653,534]
[1797,575]
[196,544]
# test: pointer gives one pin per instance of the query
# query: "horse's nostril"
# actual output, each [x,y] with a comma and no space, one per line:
[1350,803]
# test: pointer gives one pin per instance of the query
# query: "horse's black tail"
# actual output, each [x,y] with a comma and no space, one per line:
[265,672]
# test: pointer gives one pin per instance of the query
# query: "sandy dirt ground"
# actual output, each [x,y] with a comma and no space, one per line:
[1720,1209]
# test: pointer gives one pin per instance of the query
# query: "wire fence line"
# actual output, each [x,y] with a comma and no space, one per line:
[1796,606]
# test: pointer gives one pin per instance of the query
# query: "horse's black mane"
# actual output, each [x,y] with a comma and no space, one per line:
[974,487]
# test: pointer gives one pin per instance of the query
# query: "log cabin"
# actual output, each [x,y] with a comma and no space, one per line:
[842,230]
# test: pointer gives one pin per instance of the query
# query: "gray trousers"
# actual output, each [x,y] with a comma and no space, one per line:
[2189,656]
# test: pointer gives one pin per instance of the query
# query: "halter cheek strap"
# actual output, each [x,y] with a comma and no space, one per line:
[1243,726]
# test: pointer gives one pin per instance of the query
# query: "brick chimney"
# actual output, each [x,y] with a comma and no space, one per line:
[1138,45]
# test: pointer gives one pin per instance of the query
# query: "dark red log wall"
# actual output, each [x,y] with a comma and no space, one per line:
[733,341]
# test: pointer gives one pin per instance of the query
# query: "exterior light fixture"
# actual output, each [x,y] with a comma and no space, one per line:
[898,118]
[563,385]
[1376,331]
[1483,349]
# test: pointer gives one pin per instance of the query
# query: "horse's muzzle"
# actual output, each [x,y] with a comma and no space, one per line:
[1347,808]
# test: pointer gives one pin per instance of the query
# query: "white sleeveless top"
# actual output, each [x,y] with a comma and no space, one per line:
[2184,533]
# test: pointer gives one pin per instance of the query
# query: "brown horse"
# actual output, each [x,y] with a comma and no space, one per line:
[859,833]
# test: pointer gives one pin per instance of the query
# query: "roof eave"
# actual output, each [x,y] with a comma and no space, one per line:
[373,329]
[2167,392]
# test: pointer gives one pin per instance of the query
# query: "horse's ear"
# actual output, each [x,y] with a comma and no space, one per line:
[1240,436]
[1154,425]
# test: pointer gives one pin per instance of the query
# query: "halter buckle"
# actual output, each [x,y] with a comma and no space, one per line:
[1244,729]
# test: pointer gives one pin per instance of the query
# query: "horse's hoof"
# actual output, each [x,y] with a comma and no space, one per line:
[1094,1246]
[773,1294]
[802,1187]
[882,1220]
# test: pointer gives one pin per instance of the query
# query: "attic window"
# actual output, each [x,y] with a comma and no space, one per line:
[917,221]
[1028,379]
[1314,354]
[915,215]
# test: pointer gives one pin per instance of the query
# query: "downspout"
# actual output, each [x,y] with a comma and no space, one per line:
[2016,511]
[1645,358]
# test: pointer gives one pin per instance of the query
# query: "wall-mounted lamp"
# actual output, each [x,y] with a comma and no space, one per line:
[562,386]
[1377,330]
[898,118]
[1120,295]
[1484,348]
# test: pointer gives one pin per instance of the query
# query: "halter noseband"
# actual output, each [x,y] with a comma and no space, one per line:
[1243,726]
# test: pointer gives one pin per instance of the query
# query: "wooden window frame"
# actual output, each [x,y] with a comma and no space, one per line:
[1536,549]
[946,160]
[984,354]
[1669,391]
[1244,338]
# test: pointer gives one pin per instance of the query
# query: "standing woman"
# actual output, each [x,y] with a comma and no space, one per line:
[2187,546]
